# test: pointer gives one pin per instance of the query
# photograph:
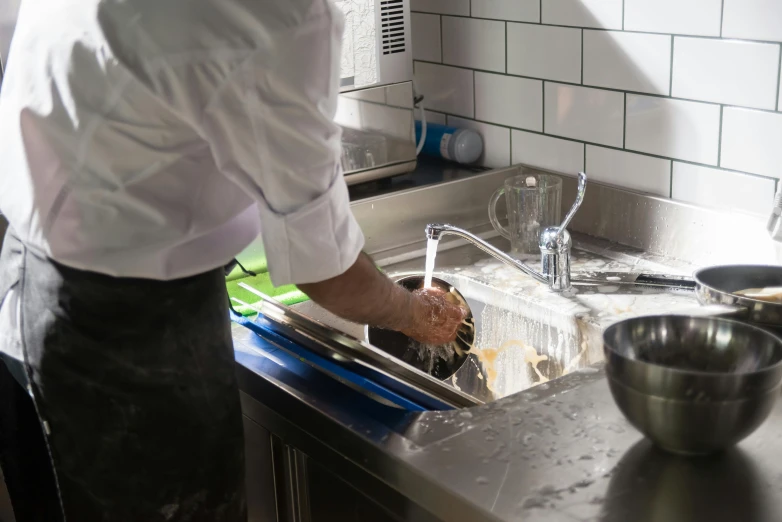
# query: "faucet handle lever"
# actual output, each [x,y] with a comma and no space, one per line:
[582,185]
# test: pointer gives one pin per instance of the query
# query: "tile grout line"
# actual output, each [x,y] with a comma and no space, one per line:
[474,97]
[624,123]
[582,56]
[670,80]
[585,158]
[670,190]
[511,146]
[442,54]
[722,15]
[601,88]
[779,79]
[623,15]
[685,35]
[719,143]
[543,103]
[610,147]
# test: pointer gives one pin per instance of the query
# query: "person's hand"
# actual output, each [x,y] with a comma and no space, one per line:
[435,320]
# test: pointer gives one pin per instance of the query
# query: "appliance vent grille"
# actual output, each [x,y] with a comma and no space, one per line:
[392,19]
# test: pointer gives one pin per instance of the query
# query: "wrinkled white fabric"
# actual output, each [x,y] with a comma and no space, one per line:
[155,139]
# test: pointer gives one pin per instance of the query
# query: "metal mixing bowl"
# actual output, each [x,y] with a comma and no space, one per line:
[693,385]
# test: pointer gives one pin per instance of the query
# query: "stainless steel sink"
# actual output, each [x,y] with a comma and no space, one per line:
[520,342]
[527,335]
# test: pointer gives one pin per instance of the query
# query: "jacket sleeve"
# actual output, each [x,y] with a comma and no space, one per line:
[271,131]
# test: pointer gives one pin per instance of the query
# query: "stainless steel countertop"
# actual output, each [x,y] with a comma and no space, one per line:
[428,172]
[560,451]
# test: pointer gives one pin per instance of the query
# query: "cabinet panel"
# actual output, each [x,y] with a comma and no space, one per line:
[261,497]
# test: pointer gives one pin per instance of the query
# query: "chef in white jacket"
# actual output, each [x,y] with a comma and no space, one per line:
[144,143]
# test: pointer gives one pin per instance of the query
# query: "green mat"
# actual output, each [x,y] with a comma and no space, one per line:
[287,294]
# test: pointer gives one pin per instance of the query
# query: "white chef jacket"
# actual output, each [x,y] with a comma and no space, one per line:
[155,139]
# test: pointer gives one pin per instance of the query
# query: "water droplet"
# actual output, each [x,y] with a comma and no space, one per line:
[584,483]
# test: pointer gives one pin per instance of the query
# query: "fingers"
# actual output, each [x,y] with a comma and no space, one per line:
[438,320]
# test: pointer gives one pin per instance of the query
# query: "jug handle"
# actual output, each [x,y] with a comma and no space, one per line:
[493,213]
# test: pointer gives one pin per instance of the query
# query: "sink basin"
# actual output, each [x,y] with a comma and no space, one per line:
[519,344]
[526,335]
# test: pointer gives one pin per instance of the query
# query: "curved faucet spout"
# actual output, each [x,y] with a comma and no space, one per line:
[436,231]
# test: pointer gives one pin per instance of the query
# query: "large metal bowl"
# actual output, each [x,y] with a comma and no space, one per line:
[717,285]
[693,385]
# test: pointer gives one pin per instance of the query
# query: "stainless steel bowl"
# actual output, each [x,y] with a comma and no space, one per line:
[441,361]
[693,385]
[717,285]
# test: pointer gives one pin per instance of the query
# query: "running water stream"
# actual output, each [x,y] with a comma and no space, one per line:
[431,253]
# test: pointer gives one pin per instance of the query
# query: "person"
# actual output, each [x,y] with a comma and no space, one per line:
[144,145]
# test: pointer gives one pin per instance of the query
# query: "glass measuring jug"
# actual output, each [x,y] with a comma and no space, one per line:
[534,202]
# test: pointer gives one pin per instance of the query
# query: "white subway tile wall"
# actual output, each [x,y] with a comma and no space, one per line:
[450,7]
[546,152]
[678,98]
[561,61]
[723,189]
[446,89]
[779,84]
[496,141]
[673,128]
[752,141]
[753,19]
[628,61]
[474,43]
[606,14]
[507,100]
[626,169]
[582,113]
[515,10]
[436,117]
[696,17]
[427,41]
[726,71]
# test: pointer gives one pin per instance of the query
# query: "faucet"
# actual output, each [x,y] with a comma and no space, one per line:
[555,244]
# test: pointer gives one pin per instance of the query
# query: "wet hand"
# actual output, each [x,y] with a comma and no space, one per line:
[435,320]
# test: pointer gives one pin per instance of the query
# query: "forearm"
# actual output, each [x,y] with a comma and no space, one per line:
[364,295]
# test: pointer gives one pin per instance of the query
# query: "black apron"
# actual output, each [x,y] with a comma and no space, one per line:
[134,391]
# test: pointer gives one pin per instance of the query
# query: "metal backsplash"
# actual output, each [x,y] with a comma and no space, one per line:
[664,227]
[698,235]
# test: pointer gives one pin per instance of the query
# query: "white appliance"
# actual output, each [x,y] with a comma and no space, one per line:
[376,105]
